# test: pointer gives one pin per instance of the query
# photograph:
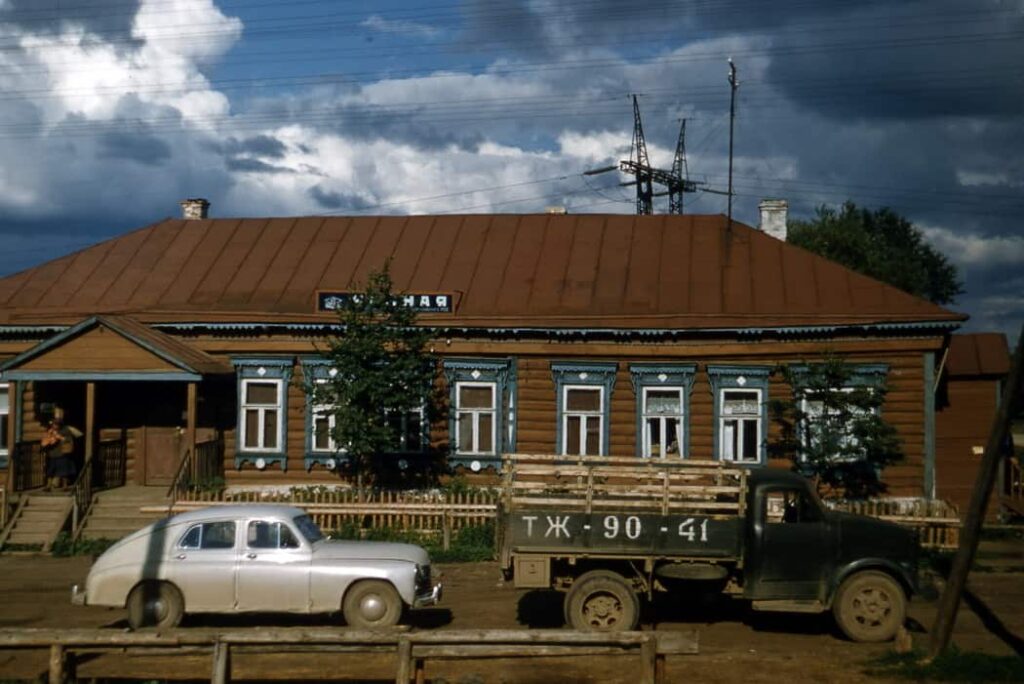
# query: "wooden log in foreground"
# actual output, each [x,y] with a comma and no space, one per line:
[412,649]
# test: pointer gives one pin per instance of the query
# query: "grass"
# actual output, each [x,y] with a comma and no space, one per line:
[952,666]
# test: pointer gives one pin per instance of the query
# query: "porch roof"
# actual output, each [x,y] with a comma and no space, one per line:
[134,352]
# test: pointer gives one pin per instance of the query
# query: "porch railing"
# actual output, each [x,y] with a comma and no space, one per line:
[108,468]
[203,466]
[29,466]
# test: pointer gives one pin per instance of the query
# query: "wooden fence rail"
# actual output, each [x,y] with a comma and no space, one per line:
[412,649]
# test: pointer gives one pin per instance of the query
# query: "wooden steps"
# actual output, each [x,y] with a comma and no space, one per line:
[37,522]
[116,513]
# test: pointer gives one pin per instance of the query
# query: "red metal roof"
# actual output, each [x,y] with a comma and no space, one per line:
[978,354]
[543,270]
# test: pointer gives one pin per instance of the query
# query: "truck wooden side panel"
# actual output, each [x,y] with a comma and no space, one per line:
[629,534]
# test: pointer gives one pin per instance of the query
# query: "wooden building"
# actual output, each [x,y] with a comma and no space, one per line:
[608,334]
[967,401]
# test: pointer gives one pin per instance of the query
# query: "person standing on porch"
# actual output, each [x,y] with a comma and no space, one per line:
[59,444]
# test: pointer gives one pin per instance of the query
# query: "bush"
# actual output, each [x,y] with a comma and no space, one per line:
[63,546]
[468,545]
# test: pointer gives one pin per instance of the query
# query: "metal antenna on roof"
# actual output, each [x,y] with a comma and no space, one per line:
[733,85]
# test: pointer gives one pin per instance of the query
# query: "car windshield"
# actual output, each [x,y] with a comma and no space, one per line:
[308,528]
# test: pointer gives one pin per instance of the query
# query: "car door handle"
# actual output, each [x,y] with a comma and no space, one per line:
[180,556]
[251,556]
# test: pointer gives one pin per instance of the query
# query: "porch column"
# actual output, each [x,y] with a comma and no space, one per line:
[90,419]
[190,436]
[13,428]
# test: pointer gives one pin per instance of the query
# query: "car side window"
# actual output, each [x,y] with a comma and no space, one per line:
[218,535]
[191,538]
[271,535]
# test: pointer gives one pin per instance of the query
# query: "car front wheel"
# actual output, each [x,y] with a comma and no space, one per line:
[372,604]
[155,604]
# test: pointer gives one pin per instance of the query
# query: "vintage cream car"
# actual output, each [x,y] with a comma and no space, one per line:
[255,558]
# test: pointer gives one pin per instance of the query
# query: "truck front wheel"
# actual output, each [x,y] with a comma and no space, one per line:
[870,606]
[602,601]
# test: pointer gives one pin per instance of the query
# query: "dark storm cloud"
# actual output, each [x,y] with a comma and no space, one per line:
[259,145]
[106,20]
[248,165]
[140,147]
[337,200]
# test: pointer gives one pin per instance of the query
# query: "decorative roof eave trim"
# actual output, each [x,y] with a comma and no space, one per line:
[936,326]
[89,375]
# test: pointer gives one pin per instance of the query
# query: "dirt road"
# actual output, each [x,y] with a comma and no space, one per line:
[735,643]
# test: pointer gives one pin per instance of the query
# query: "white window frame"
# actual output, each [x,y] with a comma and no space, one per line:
[585,417]
[261,409]
[722,418]
[648,452]
[5,416]
[315,409]
[474,415]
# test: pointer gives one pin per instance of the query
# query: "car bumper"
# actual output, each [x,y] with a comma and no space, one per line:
[77,595]
[428,599]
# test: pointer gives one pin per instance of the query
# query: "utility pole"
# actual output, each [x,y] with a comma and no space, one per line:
[733,85]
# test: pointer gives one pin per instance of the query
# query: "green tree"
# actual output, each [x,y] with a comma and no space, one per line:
[832,428]
[383,370]
[881,244]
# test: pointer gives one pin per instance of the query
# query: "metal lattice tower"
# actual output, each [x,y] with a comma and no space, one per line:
[639,165]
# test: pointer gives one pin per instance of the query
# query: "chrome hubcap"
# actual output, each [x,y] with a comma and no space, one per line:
[372,607]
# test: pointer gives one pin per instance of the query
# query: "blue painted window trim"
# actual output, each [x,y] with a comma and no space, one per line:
[666,376]
[728,377]
[315,369]
[501,373]
[275,368]
[593,374]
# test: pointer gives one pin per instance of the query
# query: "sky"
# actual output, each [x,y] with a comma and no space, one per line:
[112,111]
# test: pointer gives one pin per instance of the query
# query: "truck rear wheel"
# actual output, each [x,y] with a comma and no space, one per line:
[870,606]
[602,601]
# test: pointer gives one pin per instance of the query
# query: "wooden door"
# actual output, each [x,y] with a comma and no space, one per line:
[161,454]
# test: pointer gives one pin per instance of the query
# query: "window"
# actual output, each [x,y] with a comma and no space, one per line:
[262,414]
[475,415]
[741,412]
[482,420]
[831,425]
[663,398]
[583,403]
[5,412]
[408,426]
[740,425]
[211,535]
[583,421]
[271,535]
[262,406]
[790,506]
[663,422]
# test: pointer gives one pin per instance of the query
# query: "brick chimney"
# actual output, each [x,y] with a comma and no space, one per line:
[195,208]
[773,217]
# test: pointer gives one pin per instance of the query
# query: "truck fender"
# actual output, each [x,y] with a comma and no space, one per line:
[861,564]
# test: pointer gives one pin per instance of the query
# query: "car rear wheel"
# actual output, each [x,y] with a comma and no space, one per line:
[870,606]
[155,604]
[602,601]
[372,604]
